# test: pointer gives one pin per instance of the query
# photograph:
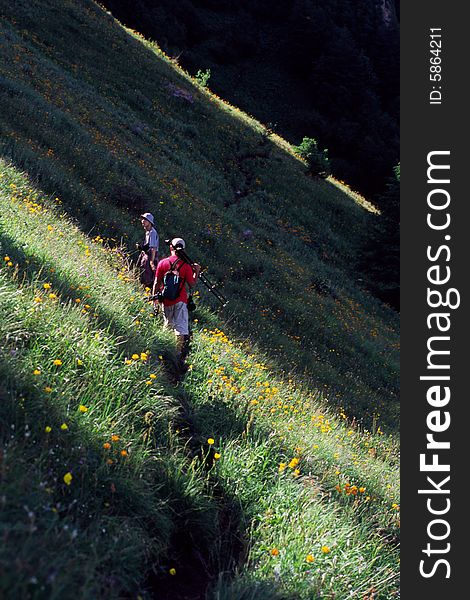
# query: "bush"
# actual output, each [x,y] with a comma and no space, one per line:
[318,162]
[202,77]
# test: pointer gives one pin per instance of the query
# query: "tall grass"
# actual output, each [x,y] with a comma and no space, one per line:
[118,128]
[86,413]
[271,470]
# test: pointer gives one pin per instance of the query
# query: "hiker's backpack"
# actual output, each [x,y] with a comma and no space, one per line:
[172,282]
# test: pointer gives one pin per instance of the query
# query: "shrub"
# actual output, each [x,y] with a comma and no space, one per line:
[202,77]
[318,162]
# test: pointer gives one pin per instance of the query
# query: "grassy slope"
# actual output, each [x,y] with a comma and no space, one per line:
[291,478]
[266,58]
[90,112]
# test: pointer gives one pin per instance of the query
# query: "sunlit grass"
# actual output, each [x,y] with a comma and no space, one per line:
[85,356]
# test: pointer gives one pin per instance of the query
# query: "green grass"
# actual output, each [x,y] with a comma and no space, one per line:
[102,129]
[60,417]
[296,381]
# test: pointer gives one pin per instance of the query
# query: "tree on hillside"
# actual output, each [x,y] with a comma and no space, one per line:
[317,160]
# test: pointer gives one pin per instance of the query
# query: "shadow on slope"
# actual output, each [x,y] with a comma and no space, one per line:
[154,513]
[162,508]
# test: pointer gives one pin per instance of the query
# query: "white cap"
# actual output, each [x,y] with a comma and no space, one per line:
[149,217]
[178,242]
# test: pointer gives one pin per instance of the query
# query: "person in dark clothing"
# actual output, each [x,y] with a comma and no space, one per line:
[148,258]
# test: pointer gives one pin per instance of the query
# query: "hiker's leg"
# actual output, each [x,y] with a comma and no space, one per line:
[182,344]
[180,324]
[168,316]
[182,347]
[180,319]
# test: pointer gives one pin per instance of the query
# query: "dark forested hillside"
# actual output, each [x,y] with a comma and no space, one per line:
[328,70]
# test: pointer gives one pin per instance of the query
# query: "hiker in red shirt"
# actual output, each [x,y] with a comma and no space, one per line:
[174,296]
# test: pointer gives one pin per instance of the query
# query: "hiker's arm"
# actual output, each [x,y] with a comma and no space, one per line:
[152,257]
[196,269]
[156,285]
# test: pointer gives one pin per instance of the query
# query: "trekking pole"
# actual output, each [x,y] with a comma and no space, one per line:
[205,280]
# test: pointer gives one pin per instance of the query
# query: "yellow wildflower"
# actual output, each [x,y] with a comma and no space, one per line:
[68,478]
[309,558]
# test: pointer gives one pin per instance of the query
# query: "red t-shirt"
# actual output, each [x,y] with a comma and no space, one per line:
[185,271]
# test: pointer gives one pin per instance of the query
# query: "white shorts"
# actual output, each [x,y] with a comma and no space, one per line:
[176,317]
